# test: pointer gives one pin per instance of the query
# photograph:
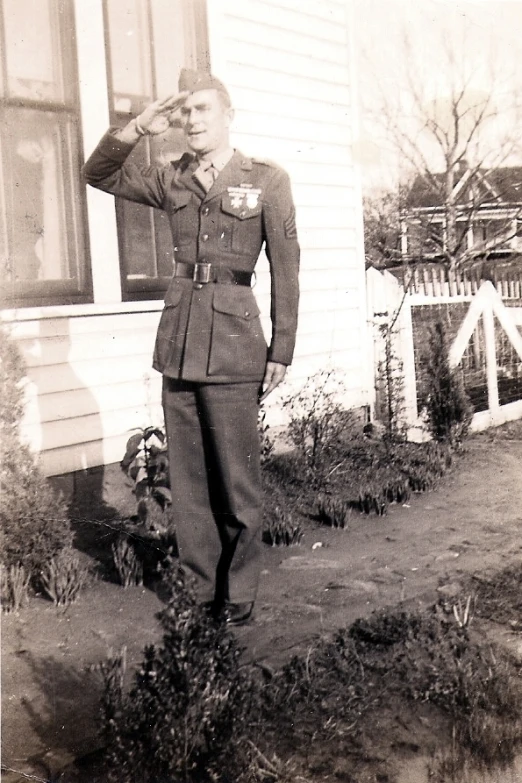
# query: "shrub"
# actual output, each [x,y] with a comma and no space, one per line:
[448,410]
[63,577]
[185,715]
[34,524]
[317,423]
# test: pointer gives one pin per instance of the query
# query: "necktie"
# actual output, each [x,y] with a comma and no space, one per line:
[206,173]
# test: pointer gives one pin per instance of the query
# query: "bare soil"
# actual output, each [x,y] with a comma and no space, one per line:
[415,555]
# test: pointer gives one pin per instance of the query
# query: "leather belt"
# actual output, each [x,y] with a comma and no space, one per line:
[208,273]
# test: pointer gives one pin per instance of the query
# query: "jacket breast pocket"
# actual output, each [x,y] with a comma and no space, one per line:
[238,347]
[168,338]
[242,226]
[181,219]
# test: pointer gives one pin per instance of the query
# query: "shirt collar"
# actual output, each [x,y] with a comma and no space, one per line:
[220,160]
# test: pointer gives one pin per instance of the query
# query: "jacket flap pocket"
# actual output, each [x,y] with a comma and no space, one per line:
[230,301]
[242,205]
[173,296]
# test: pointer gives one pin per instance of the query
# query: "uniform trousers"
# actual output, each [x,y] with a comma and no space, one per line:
[215,475]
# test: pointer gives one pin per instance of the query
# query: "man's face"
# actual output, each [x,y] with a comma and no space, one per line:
[205,122]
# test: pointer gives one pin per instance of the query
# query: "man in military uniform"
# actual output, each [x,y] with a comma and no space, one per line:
[216,365]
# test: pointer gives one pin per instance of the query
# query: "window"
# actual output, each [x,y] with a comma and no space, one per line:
[148,42]
[494,233]
[42,253]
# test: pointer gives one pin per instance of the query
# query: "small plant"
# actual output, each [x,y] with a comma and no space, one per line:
[398,490]
[126,562]
[63,577]
[146,463]
[281,529]
[333,511]
[464,614]
[113,671]
[186,713]
[14,588]
[448,410]
[373,496]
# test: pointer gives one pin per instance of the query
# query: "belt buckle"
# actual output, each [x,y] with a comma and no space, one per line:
[201,273]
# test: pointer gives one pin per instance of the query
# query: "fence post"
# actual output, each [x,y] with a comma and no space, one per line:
[491,360]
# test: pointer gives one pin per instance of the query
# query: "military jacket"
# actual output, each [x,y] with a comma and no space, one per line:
[212,332]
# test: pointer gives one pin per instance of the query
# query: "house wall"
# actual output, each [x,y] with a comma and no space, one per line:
[288,66]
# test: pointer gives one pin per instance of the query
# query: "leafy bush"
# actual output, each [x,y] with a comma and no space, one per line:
[186,713]
[34,524]
[63,577]
[448,410]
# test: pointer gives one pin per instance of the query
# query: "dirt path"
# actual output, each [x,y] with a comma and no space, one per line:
[470,524]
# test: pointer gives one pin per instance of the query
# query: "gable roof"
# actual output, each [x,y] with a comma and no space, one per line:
[502,186]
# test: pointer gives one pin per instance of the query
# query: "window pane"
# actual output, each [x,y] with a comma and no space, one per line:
[130,48]
[32,47]
[173,44]
[149,41]
[41,203]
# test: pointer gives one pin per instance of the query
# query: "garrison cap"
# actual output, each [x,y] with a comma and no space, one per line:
[193,81]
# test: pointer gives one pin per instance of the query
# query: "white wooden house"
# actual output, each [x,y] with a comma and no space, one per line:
[81,289]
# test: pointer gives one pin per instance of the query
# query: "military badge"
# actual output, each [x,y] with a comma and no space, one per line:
[244,197]
[236,200]
[252,198]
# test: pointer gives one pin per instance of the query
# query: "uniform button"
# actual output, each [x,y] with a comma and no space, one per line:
[204,238]
[247,313]
[206,211]
[198,285]
[242,214]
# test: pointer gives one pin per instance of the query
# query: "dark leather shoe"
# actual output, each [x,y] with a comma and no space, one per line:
[238,614]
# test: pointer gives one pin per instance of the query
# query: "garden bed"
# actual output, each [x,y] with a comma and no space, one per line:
[420,553]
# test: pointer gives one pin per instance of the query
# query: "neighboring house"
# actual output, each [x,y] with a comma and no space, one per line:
[82,276]
[488,215]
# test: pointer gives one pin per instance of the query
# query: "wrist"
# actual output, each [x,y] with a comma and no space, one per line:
[140,130]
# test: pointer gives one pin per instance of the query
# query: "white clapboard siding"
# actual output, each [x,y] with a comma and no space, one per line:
[323,18]
[84,401]
[287,64]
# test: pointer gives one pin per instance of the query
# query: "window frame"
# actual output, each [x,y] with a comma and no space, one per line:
[78,290]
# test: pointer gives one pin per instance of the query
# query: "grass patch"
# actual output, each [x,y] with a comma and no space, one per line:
[346,683]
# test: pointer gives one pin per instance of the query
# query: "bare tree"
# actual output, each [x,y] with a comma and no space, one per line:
[454,139]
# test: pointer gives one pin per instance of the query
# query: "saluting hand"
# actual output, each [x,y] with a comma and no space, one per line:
[158,116]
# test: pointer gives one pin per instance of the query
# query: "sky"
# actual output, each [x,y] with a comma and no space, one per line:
[485,37]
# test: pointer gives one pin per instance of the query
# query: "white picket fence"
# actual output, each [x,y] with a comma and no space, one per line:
[388,302]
